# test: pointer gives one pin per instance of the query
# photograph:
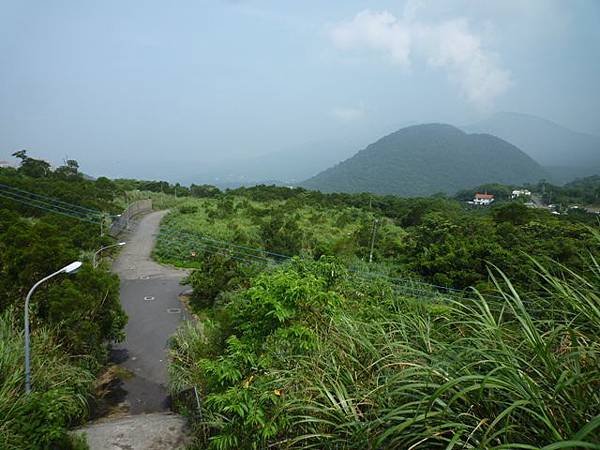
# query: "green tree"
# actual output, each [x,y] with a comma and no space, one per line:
[35,168]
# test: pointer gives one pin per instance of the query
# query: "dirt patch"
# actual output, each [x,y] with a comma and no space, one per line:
[109,395]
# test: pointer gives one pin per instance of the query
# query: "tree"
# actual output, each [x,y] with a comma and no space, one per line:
[35,168]
[69,170]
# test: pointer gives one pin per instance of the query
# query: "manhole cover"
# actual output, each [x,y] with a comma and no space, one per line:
[173,310]
[148,298]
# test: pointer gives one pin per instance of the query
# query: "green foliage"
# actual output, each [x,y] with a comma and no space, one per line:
[86,305]
[309,356]
[60,389]
[583,191]
[73,318]
[34,168]
[281,235]
[218,273]
[427,159]
[434,239]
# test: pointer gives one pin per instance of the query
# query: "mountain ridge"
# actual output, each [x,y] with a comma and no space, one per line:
[426,159]
[564,152]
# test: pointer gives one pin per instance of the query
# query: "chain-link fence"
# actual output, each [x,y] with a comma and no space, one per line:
[135,208]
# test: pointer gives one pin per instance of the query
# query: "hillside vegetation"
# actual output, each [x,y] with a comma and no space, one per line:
[73,317]
[437,240]
[427,159]
[326,350]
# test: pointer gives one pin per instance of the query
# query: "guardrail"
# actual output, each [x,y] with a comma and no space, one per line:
[122,222]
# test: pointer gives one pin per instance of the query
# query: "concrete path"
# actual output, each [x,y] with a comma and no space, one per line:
[157,431]
[150,296]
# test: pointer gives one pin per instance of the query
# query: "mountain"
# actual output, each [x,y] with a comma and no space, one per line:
[426,159]
[565,153]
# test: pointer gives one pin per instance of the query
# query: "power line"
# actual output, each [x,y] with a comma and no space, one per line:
[53,200]
[34,202]
[46,207]
[195,244]
[398,283]
[195,235]
[230,254]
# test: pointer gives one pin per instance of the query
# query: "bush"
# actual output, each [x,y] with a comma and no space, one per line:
[310,357]
[218,273]
[60,389]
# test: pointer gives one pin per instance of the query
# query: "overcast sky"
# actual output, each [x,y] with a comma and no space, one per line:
[129,87]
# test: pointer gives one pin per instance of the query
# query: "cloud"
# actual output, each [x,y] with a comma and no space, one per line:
[350,114]
[448,44]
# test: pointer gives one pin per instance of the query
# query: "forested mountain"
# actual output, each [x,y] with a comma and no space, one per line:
[565,153]
[425,159]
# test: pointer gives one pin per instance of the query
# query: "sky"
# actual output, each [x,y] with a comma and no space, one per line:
[155,89]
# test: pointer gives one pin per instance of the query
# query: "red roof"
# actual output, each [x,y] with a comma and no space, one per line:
[479,196]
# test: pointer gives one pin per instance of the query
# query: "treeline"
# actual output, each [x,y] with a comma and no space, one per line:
[584,191]
[73,317]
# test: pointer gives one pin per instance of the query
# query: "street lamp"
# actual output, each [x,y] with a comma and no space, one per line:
[71,268]
[119,244]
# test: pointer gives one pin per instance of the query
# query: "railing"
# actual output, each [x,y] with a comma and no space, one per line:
[135,208]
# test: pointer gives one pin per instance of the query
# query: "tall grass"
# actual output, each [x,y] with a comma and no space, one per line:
[505,371]
[60,389]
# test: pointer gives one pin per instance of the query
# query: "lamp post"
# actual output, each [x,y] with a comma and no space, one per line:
[119,244]
[71,268]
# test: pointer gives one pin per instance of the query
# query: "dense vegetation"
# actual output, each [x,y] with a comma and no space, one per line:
[426,159]
[310,355]
[301,341]
[73,318]
[436,240]
[581,192]
[329,351]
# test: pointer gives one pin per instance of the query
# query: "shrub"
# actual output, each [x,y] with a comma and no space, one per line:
[60,389]
[309,357]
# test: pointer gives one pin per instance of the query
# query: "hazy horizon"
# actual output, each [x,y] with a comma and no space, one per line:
[148,90]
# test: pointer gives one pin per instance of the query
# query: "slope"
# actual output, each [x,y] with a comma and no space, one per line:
[426,159]
[566,153]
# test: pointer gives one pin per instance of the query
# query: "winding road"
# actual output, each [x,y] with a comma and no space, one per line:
[150,296]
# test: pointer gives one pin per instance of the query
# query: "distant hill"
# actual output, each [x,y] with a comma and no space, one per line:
[426,159]
[566,154]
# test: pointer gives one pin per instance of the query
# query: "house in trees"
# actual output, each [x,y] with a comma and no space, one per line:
[483,199]
[520,193]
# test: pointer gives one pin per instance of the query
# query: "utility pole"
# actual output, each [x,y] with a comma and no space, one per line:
[373,240]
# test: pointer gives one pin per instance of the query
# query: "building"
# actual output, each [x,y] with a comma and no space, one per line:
[483,199]
[520,193]
[4,164]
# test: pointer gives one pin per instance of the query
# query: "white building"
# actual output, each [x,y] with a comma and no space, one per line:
[520,193]
[483,199]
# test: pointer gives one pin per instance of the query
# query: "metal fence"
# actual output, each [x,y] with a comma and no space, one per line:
[135,208]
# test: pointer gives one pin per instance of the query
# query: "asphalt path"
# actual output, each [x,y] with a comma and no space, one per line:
[150,296]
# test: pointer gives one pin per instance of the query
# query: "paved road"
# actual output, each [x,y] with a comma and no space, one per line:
[150,296]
